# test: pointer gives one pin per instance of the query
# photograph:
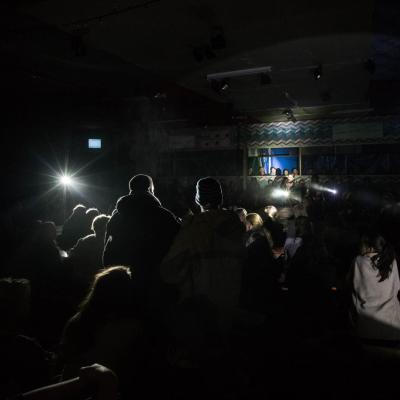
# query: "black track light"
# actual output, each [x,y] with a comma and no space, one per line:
[289,115]
[220,86]
[317,72]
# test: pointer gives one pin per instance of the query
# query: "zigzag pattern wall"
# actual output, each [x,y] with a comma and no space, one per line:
[320,132]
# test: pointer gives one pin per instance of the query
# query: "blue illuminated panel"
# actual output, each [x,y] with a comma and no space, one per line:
[94,143]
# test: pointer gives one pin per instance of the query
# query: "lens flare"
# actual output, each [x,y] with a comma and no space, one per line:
[324,189]
[279,193]
[66,180]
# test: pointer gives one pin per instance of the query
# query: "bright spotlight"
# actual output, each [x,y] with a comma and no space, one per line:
[280,193]
[66,180]
[324,189]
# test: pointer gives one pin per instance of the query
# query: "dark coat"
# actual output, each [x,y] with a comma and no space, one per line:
[260,286]
[139,235]
[86,257]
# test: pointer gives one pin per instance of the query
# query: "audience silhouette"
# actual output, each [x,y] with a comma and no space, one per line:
[224,302]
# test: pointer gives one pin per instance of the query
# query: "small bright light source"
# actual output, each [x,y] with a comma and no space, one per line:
[66,180]
[280,193]
[94,143]
[324,189]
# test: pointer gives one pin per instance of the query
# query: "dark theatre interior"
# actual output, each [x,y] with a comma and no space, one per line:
[200,199]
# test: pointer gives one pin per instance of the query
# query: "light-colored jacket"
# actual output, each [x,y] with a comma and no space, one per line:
[206,260]
[376,308]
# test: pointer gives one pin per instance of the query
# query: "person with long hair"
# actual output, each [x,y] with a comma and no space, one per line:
[106,328]
[375,310]
[255,229]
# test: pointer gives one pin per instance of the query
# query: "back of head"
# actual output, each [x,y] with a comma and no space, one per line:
[141,184]
[241,213]
[284,181]
[91,213]
[79,209]
[111,292]
[209,193]
[47,232]
[255,220]
[99,224]
[271,211]
[373,242]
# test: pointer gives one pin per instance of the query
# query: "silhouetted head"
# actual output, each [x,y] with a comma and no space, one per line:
[209,193]
[99,224]
[92,213]
[47,231]
[253,221]
[111,291]
[79,209]
[141,184]
[271,211]
[381,251]
[241,213]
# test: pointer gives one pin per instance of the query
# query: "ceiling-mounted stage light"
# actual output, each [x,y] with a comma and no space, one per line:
[265,79]
[289,115]
[220,86]
[317,73]
[225,85]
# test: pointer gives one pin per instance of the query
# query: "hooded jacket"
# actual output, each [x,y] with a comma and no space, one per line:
[206,260]
[139,235]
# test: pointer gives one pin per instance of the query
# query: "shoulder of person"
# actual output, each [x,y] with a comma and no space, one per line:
[169,215]
[230,222]
[363,261]
[122,202]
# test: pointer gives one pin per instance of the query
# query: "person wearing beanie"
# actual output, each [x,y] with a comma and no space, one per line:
[205,263]
[139,232]
[208,194]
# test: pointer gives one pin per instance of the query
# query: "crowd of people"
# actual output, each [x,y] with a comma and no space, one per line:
[271,295]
